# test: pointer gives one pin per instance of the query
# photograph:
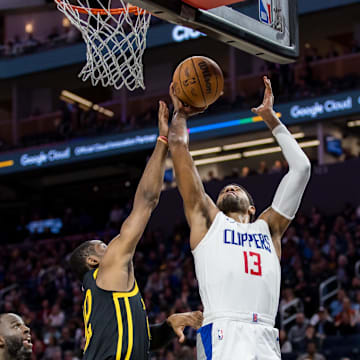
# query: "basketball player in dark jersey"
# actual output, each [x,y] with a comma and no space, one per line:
[116,325]
[15,338]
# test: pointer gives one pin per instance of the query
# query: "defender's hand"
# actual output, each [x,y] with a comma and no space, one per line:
[182,109]
[179,321]
[163,119]
[265,110]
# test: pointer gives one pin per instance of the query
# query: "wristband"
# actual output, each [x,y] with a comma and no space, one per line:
[163,139]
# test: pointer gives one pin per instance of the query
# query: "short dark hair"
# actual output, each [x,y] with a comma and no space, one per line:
[251,200]
[78,258]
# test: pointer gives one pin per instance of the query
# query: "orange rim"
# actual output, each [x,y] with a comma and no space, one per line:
[131,9]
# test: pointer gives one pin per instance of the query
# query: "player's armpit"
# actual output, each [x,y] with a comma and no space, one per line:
[277,225]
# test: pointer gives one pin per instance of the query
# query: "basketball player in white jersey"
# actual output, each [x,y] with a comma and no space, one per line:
[237,260]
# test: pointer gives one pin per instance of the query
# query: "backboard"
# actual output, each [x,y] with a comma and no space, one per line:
[272,36]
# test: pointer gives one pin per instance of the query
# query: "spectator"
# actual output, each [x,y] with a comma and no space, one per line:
[262,168]
[336,306]
[277,167]
[323,323]
[345,321]
[311,353]
[52,349]
[245,172]
[285,344]
[297,332]
[56,317]
[116,216]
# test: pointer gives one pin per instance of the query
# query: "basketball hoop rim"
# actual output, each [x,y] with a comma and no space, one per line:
[131,9]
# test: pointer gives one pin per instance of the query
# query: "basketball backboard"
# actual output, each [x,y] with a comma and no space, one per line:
[273,36]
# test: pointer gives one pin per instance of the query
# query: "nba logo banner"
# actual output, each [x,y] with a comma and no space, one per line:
[265,11]
[220,334]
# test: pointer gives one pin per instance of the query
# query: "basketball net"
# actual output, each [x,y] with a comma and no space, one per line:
[115,37]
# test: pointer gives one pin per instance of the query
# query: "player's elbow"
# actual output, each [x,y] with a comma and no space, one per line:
[303,168]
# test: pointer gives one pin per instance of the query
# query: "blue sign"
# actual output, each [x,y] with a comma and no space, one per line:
[207,127]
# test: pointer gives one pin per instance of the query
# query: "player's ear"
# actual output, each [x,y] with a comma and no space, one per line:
[2,341]
[251,210]
[92,260]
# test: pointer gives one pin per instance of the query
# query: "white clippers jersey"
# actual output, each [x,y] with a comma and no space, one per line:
[238,270]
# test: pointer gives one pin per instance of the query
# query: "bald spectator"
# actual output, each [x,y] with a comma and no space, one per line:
[298,331]
[311,353]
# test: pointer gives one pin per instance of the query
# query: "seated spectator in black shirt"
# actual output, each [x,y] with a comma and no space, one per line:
[323,323]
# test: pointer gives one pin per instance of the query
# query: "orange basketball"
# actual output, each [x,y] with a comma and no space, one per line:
[198,81]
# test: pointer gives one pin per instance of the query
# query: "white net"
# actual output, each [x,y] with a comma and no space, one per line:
[115,40]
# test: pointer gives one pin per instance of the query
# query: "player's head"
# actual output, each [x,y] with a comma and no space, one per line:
[234,198]
[87,256]
[15,338]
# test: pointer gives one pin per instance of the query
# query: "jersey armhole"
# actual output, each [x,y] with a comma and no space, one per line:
[207,235]
[266,225]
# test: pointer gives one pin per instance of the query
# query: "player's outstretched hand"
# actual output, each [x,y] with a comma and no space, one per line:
[179,321]
[181,108]
[266,110]
[163,115]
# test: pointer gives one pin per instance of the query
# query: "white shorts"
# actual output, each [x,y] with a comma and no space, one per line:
[228,339]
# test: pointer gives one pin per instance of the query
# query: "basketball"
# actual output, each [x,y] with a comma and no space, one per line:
[198,81]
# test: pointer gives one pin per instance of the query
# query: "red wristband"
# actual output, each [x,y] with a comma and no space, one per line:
[163,139]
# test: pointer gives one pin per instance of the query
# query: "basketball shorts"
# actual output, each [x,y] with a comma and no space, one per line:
[229,339]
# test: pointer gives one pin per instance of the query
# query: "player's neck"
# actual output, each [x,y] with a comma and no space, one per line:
[238,217]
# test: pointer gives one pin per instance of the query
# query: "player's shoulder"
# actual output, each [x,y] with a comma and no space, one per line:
[89,278]
[261,224]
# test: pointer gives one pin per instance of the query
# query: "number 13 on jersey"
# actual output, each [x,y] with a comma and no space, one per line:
[252,261]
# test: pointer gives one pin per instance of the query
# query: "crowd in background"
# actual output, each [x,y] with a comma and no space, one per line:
[30,44]
[75,122]
[314,248]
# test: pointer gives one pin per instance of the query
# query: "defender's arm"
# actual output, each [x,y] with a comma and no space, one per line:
[200,210]
[162,334]
[121,249]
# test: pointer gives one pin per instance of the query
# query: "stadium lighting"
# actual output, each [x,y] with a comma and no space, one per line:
[86,104]
[66,22]
[211,150]
[275,149]
[248,144]
[29,28]
[353,123]
[218,159]
[240,145]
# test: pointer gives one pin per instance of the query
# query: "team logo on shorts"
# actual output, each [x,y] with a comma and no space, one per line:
[220,334]
[255,317]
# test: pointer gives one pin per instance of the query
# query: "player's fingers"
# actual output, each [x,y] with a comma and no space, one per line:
[182,338]
[161,110]
[179,333]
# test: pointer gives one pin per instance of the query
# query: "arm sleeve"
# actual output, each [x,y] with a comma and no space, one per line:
[291,188]
[161,335]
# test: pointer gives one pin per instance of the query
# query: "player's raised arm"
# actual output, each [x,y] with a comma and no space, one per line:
[200,210]
[121,249]
[291,188]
